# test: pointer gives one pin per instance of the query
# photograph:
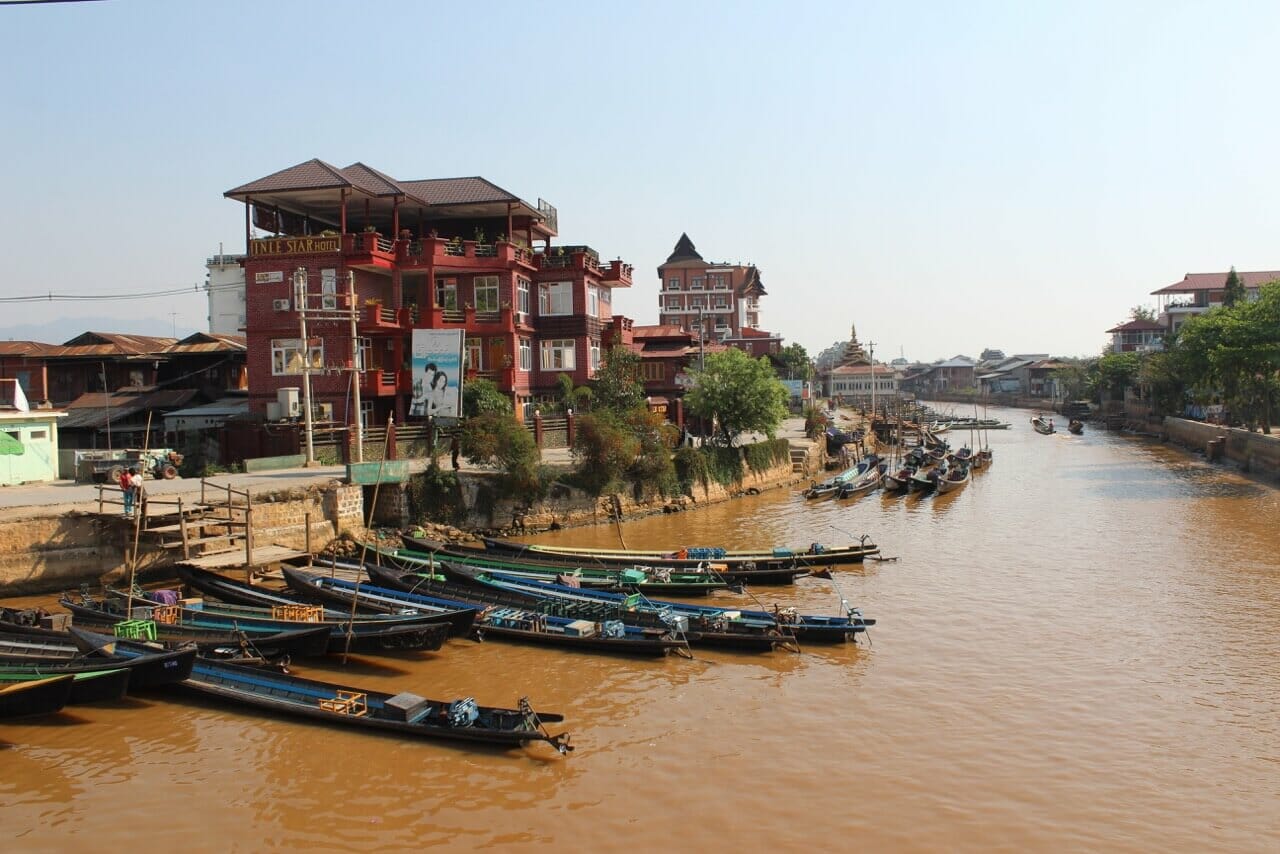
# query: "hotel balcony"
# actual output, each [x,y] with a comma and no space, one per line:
[480,322]
[376,383]
[462,255]
[375,318]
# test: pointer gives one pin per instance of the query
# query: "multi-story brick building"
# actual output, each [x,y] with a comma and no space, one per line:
[454,253]
[725,297]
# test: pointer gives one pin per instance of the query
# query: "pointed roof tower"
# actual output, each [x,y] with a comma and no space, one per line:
[684,251]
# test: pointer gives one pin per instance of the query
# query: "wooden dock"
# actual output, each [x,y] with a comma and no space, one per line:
[235,558]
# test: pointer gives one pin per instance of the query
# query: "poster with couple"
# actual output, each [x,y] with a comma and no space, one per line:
[437,373]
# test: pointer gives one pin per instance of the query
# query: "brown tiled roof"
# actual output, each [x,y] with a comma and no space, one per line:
[457,191]
[1136,325]
[372,181]
[1218,281]
[684,251]
[748,332]
[665,330]
[314,174]
[752,283]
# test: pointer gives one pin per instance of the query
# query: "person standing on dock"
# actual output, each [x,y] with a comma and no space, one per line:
[455,447]
[126,490]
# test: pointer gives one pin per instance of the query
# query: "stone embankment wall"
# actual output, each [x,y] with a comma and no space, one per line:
[572,507]
[1253,452]
[48,551]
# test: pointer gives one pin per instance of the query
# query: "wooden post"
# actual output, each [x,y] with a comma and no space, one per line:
[100,493]
[248,536]
[182,525]
[306,518]
[202,501]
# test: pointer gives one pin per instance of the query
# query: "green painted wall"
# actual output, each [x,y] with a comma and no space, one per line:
[37,435]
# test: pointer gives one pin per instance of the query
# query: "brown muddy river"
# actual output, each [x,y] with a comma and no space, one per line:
[1080,651]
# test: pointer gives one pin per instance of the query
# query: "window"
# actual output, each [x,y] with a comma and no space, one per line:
[673,284]
[474,358]
[526,355]
[364,354]
[486,289]
[286,355]
[720,304]
[606,295]
[593,301]
[719,283]
[652,371]
[595,356]
[447,294]
[522,295]
[696,283]
[329,281]
[696,302]
[673,303]
[555,298]
[39,434]
[557,355]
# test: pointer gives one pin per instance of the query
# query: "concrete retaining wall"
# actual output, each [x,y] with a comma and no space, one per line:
[43,553]
[1253,452]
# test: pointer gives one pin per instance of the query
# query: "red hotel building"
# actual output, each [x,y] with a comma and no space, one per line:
[451,253]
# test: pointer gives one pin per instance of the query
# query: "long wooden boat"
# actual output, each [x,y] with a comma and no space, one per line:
[377,633]
[604,575]
[816,554]
[87,686]
[868,481]
[956,478]
[36,697]
[1042,425]
[407,714]
[703,624]
[459,618]
[214,635]
[1076,426]
[545,563]
[508,623]
[832,486]
[44,655]
[926,479]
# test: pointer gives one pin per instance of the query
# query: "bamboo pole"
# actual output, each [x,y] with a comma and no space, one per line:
[139,511]
[364,547]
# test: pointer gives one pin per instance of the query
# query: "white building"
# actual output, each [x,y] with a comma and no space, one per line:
[225,286]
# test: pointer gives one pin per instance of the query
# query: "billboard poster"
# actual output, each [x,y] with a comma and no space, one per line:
[437,373]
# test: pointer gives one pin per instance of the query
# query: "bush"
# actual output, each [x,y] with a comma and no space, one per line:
[691,467]
[481,396]
[763,456]
[435,496]
[501,442]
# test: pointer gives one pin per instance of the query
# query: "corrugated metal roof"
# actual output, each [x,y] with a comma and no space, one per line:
[208,342]
[25,348]
[92,410]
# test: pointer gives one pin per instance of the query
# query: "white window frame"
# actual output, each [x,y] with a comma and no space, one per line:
[674,304]
[522,296]
[286,356]
[555,299]
[593,301]
[673,284]
[593,355]
[526,355]
[696,283]
[562,350]
[489,286]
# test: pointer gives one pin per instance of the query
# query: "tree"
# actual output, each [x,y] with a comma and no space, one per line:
[481,396]
[610,445]
[797,365]
[1233,291]
[500,441]
[739,392]
[1113,373]
[1073,379]
[1143,312]
[617,385]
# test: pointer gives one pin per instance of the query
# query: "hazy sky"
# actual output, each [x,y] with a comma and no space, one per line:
[948,176]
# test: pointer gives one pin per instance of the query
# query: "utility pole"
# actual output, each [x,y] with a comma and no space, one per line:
[702,356]
[300,297]
[356,365]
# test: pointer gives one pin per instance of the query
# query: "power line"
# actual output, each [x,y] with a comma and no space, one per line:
[52,297]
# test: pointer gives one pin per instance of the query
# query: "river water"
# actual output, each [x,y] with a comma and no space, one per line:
[1081,650]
